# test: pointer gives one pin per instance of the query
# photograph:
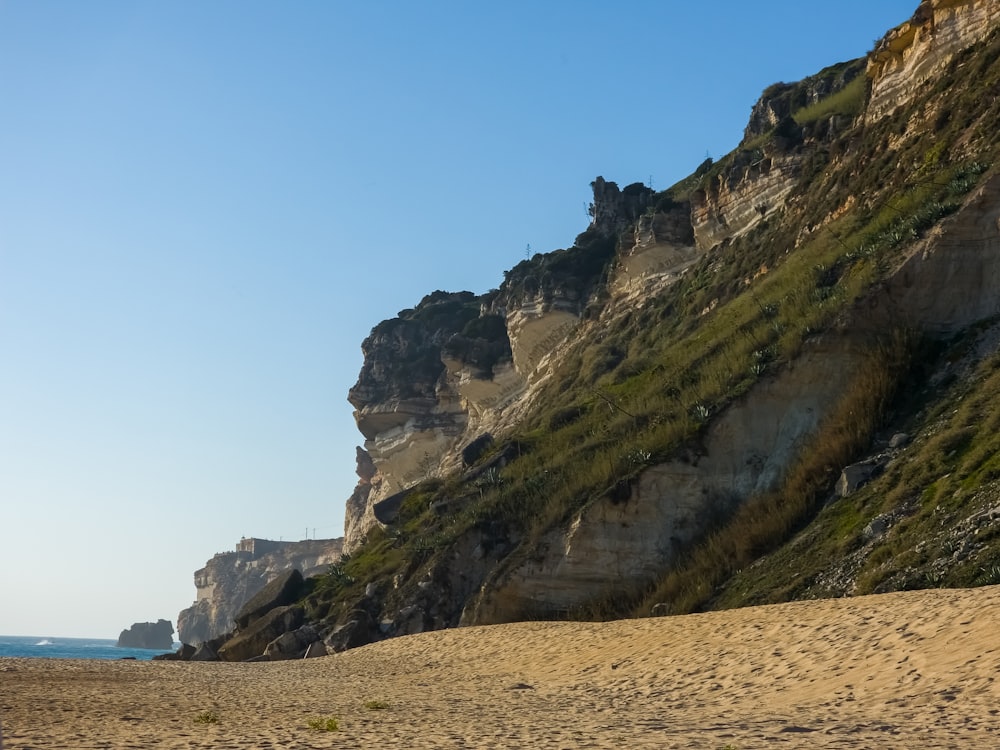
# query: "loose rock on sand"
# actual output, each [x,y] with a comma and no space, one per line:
[913,670]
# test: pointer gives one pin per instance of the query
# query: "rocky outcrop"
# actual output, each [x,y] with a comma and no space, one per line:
[153,635]
[400,379]
[754,185]
[761,176]
[542,299]
[612,210]
[253,641]
[781,100]
[662,248]
[280,592]
[357,507]
[409,403]
[230,579]
[914,52]
[295,644]
[351,634]
[269,627]
[758,179]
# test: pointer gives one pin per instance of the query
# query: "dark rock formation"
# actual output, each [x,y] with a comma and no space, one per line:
[614,209]
[270,614]
[206,651]
[281,591]
[315,649]
[421,369]
[349,635]
[184,653]
[480,345]
[386,510]
[292,644]
[475,450]
[403,355]
[438,375]
[563,280]
[158,635]
[254,639]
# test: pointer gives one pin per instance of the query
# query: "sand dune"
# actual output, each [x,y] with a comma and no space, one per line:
[907,670]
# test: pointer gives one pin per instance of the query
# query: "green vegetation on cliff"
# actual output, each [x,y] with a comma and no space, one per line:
[642,386]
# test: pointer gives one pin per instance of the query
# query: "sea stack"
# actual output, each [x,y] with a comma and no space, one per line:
[158,635]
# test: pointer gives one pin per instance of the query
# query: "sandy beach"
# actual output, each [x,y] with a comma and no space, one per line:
[906,670]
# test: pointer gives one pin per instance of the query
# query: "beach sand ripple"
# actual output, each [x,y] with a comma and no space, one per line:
[913,669]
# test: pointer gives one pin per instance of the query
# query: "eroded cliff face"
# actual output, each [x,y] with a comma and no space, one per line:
[634,532]
[478,382]
[427,389]
[421,371]
[761,180]
[756,185]
[763,174]
[912,53]
[781,100]
[629,535]
[460,366]
[230,579]
[662,247]
[951,279]
[411,440]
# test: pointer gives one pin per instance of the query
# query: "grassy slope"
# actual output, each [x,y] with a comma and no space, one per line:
[931,491]
[925,521]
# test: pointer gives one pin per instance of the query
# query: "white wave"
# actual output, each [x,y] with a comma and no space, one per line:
[44,642]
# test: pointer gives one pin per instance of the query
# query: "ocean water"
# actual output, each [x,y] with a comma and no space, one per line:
[70,648]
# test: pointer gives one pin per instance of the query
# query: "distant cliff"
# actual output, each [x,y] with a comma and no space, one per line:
[230,579]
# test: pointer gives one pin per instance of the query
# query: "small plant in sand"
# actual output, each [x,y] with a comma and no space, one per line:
[207,717]
[376,705]
[329,724]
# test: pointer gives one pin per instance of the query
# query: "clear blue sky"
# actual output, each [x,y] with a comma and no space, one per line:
[206,206]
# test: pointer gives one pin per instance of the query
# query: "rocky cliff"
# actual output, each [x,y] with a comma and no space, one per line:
[682,386]
[428,389]
[749,449]
[915,52]
[775,379]
[230,579]
[458,367]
